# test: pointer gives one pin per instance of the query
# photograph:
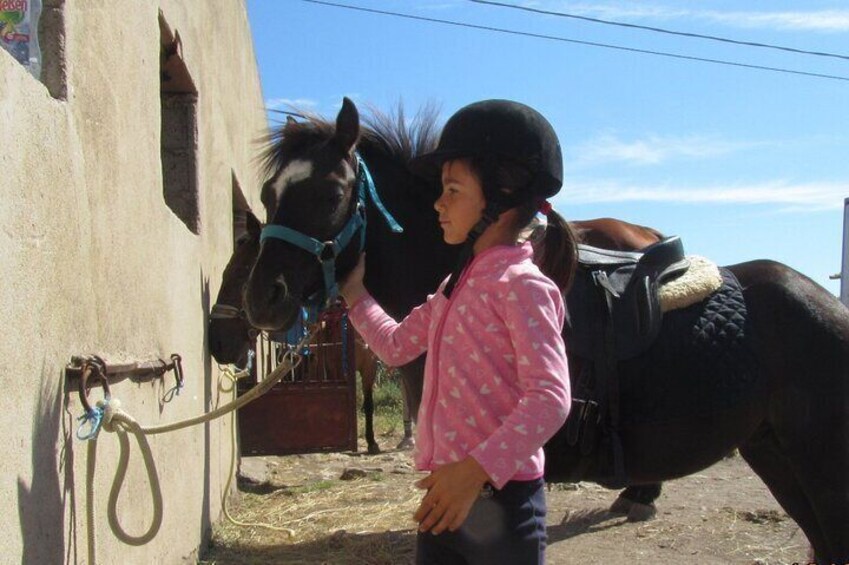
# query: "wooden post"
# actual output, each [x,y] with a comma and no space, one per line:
[844,272]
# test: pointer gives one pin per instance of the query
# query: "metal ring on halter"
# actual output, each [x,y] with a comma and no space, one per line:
[96,367]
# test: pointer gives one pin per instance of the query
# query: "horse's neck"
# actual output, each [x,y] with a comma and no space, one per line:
[402,269]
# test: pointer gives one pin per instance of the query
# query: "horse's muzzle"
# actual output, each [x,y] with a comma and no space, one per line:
[270,307]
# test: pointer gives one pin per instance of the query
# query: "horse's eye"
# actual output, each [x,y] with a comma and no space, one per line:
[331,198]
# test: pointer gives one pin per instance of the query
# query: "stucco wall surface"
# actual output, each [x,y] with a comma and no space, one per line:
[95,262]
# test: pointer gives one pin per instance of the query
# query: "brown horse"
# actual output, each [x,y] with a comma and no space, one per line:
[609,233]
[231,337]
[787,411]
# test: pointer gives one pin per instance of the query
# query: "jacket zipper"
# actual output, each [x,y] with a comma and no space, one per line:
[437,338]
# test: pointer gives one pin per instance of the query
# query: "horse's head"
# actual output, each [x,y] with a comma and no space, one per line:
[311,199]
[230,333]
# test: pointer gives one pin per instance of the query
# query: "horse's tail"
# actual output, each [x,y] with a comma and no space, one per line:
[557,253]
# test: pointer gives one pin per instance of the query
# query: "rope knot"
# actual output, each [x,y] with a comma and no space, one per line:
[109,407]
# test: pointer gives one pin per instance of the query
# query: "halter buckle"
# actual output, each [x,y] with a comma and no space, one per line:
[328,252]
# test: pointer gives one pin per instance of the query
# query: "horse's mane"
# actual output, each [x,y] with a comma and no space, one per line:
[396,136]
[390,134]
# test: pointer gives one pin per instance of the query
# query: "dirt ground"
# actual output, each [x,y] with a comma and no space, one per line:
[353,508]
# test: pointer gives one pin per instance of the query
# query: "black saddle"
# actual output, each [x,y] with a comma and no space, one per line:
[617,291]
[612,314]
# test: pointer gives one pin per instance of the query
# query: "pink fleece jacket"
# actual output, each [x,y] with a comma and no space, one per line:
[496,380]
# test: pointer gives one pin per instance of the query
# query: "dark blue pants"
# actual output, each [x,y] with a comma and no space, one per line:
[504,526]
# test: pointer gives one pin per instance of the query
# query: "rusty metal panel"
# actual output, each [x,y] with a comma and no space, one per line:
[298,420]
[313,408]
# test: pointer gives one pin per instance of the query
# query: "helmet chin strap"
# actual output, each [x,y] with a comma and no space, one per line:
[489,217]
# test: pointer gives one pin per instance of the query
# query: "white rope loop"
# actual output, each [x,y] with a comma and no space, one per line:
[124,424]
[118,421]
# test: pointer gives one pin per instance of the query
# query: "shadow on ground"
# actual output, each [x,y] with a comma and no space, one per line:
[579,522]
[392,547]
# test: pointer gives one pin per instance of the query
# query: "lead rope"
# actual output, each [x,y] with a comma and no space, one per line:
[118,421]
[233,378]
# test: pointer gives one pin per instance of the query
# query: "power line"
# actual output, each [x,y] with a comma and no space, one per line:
[577,41]
[661,30]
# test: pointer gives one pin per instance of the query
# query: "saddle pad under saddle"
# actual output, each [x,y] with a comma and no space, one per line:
[702,361]
[701,279]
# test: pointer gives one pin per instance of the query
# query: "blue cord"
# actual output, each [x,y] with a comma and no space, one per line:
[95,417]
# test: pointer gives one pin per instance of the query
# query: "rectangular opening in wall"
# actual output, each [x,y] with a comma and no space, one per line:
[179,136]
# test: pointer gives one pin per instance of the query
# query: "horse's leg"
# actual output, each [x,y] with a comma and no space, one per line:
[412,379]
[811,435]
[637,502]
[368,410]
[764,456]
[367,367]
[803,332]
[407,442]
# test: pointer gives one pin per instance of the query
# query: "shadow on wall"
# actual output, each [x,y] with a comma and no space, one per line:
[41,503]
[205,518]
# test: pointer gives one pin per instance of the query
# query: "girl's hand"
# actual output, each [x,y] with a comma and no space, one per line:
[352,288]
[451,491]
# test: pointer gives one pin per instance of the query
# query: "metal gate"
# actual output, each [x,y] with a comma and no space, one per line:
[313,408]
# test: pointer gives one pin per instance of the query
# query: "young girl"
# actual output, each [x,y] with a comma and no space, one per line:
[496,379]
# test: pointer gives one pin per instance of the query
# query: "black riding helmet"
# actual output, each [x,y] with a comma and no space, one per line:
[494,132]
[497,130]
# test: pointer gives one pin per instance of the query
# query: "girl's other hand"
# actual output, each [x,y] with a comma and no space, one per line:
[451,491]
[352,288]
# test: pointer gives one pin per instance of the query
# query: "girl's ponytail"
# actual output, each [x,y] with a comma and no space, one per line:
[557,253]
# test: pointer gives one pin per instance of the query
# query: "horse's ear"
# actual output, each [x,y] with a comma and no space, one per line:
[290,121]
[347,126]
[252,224]
[268,198]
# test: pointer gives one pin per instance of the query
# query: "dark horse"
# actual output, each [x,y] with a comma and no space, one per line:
[788,418]
[231,335]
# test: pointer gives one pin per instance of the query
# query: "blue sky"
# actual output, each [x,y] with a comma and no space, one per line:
[741,163]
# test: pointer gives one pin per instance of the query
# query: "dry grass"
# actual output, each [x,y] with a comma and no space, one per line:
[362,521]
[333,522]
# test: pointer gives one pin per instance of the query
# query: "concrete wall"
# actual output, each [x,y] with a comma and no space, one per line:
[93,261]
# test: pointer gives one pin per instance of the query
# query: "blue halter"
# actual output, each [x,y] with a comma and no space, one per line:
[326,252]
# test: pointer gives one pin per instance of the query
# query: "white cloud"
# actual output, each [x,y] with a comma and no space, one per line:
[277,103]
[815,20]
[813,196]
[652,150]
[822,21]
